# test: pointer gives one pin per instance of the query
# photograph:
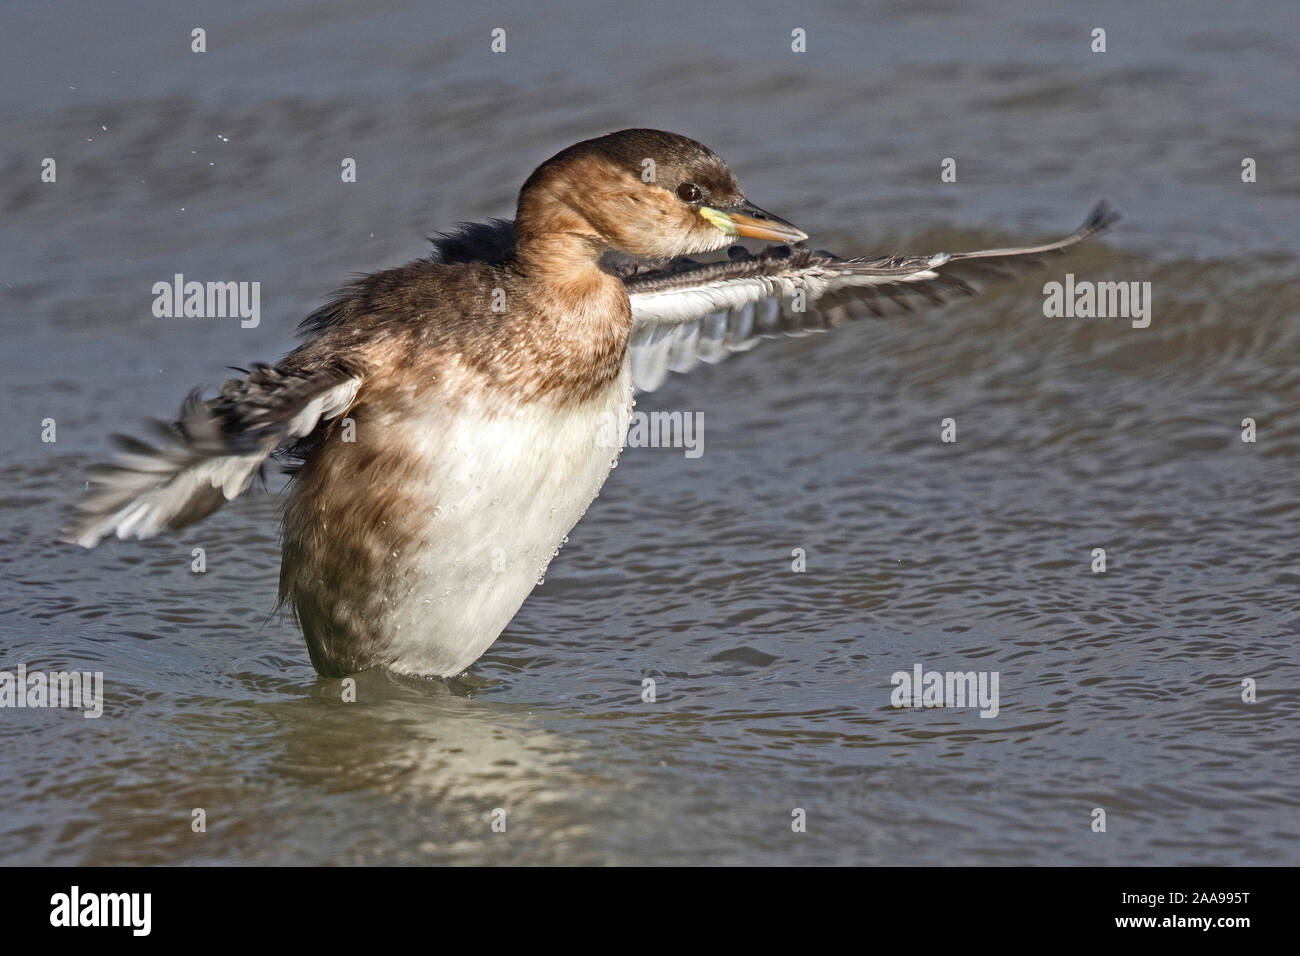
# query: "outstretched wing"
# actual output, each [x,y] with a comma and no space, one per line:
[688,311]
[210,455]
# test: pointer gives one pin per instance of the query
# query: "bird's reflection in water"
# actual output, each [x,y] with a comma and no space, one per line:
[481,776]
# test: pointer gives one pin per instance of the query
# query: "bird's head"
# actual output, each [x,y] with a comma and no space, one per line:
[643,192]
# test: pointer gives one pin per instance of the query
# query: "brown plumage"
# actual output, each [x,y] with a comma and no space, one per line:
[527,344]
[447,419]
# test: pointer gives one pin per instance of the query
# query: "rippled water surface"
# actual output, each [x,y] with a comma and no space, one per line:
[1120,691]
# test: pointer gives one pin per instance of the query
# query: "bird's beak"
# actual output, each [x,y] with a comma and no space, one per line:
[746,220]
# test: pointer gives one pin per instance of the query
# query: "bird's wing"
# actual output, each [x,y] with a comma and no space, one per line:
[688,312]
[210,455]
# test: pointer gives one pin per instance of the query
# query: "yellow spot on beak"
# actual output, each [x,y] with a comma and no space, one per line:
[719,219]
[758,225]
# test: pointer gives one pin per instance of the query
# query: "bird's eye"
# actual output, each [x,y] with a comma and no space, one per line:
[688,192]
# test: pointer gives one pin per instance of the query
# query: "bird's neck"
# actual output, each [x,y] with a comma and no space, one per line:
[552,237]
[558,252]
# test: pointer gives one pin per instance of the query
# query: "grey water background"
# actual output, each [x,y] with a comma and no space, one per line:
[1119,691]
